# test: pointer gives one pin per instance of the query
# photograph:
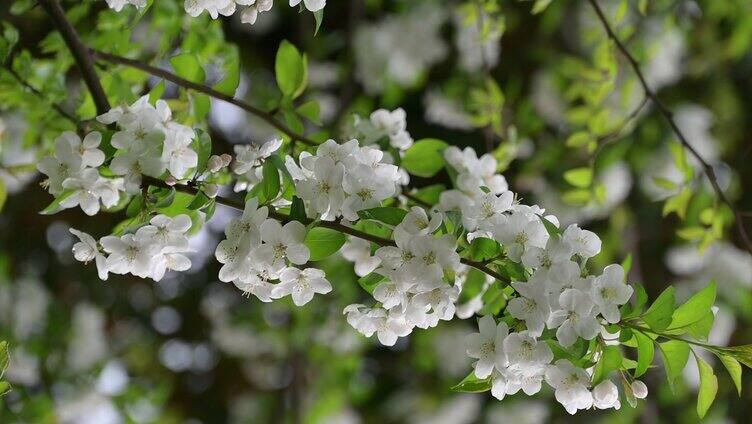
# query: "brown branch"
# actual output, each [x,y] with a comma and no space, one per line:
[334,225]
[266,116]
[666,113]
[79,52]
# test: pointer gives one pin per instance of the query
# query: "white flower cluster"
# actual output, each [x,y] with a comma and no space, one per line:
[251,10]
[73,174]
[148,253]
[342,179]
[518,361]
[149,142]
[248,161]
[215,8]
[258,249]
[383,124]
[415,292]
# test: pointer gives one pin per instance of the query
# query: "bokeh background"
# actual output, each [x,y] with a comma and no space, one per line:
[191,349]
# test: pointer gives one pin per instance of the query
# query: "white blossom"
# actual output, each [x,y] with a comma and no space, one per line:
[571,385]
[609,291]
[301,284]
[576,318]
[487,346]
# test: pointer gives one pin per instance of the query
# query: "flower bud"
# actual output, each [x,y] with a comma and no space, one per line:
[215,163]
[211,190]
[226,159]
[639,389]
[171,181]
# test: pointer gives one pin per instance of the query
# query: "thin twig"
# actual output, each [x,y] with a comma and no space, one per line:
[619,132]
[59,109]
[333,225]
[666,113]
[79,52]
[266,116]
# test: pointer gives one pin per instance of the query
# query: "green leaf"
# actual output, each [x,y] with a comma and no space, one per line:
[678,203]
[231,66]
[482,249]
[645,353]
[323,242]
[3,194]
[55,207]
[297,209]
[694,309]
[578,197]
[387,215]
[665,183]
[156,92]
[425,158]
[658,316]
[734,369]
[742,353]
[610,361]
[708,387]
[311,111]
[579,139]
[540,5]
[7,41]
[675,356]
[551,228]
[199,201]
[291,70]
[268,188]
[5,387]
[473,384]
[579,177]
[370,282]
[4,357]
[204,150]
[319,16]
[189,67]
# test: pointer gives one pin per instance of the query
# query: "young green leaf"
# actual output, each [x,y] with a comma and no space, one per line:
[482,249]
[291,70]
[579,177]
[425,158]
[708,387]
[370,282]
[675,356]
[734,369]
[231,67]
[55,207]
[323,242]
[473,384]
[611,360]
[387,215]
[189,67]
[658,316]
[694,309]
[645,353]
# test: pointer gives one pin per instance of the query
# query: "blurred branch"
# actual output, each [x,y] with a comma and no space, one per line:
[79,52]
[707,168]
[333,225]
[266,116]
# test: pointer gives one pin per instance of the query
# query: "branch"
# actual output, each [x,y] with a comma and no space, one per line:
[333,225]
[707,168]
[266,116]
[80,53]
